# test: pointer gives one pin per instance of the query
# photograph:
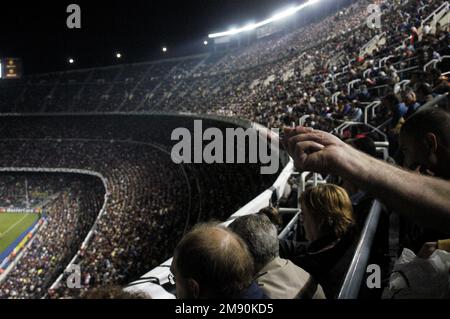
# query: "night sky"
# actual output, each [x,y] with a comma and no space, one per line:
[36,31]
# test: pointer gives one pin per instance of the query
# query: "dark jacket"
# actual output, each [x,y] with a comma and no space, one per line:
[253,292]
[326,259]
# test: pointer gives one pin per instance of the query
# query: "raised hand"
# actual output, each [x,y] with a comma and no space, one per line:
[316,151]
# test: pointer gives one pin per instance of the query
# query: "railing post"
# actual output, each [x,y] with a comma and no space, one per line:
[358,266]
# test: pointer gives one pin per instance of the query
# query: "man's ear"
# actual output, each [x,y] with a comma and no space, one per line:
[431,142]
[194,288]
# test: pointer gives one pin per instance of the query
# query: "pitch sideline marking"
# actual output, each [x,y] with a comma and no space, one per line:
[15,224]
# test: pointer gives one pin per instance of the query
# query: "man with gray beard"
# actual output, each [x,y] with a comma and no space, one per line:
[278,278]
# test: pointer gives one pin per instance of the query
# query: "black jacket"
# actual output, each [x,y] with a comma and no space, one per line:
[326,259]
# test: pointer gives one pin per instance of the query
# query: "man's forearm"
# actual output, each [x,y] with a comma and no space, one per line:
[423,199]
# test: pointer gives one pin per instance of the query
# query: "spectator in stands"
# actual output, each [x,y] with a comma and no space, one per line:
[440,32]
[426,29]
[364,144]
[397,110]
[425,142]
[328,223]
[318,151]
[424,93]
[410,101]
[361,200]
[278,278]
[414,38]
[273,214]
[212,262]
[440,82]
[356,113]
[417,78]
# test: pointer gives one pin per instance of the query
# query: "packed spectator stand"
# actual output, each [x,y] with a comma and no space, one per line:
[68,218]
[151,200]
[334,75]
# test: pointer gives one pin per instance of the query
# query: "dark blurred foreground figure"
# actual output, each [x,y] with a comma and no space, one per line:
[278,278]
[212,262]
[425,144]
[330,232]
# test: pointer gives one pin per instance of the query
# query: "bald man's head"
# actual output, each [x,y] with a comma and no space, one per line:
[211,262]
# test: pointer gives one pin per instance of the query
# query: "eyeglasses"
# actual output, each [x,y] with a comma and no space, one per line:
[171,278]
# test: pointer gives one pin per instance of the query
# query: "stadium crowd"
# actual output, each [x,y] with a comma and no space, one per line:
[27,191]
[67,220]
[150,200]
[323,71]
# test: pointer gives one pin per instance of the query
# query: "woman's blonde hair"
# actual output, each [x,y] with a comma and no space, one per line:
[330,207]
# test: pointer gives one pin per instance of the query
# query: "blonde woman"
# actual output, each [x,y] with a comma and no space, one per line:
[327,218]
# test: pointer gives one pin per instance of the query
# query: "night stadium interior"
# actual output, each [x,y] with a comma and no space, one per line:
[90,149]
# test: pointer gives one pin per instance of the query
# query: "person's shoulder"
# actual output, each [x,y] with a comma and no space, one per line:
[253,292]
[280,267]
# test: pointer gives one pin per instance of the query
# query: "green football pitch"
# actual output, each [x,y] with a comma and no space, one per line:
[12,226]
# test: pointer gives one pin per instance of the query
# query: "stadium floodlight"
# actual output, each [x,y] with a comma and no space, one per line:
[249,27]
[118,55]
[71,61]
[285,13]
[164,49]
[205,42]
[234,31]
[281,15]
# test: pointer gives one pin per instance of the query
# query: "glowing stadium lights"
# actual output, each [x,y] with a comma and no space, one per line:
[205,42]
[233,31]
[276,17]
[71,61]
[118,55]
[285,13]
[164,49]
[249,27]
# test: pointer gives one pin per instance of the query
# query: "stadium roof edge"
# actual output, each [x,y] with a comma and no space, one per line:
[172,59]
[232,120]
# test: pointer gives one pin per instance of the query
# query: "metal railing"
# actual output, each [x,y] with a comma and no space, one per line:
[341,128]
[351,84]
[335,97]
[309,179]
[383,61]
[435,62]
[436,14]
[375,40]
[303,119]
[355,273]
[383,148]
[290,226]
[368,108]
